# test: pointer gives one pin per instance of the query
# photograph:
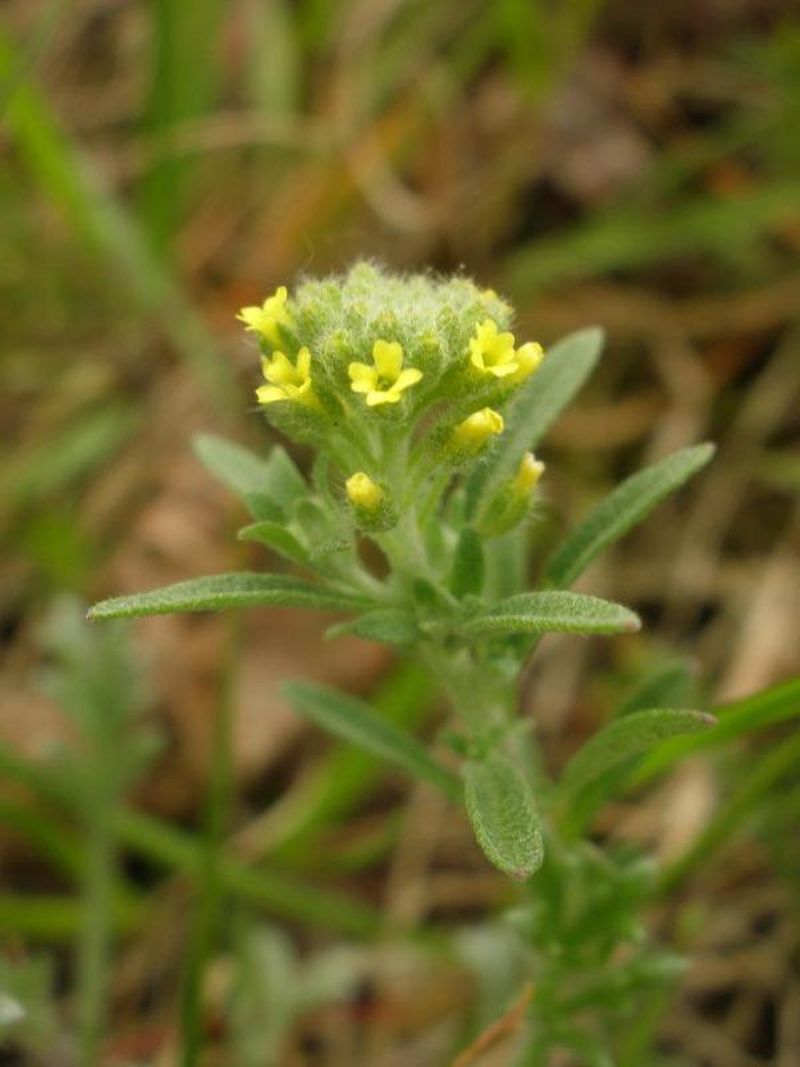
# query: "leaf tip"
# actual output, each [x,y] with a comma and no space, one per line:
[633,623]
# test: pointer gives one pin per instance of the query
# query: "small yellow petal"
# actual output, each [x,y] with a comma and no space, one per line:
[477,428]
[363,492]
[407,378]
[388,358]
[268,394]
[529,472]
[528,357]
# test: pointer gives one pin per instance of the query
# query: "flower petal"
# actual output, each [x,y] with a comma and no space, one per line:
[388,357]
[268,394]
[406,378]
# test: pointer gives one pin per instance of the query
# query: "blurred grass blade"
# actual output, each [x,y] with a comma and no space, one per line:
[540,401]
[217,591]
[185,40]
[627,505]
[503,817]
[626,737]
[352,720]
[670,685]
[554,612]
[67,177]
[624,240]
[753,788]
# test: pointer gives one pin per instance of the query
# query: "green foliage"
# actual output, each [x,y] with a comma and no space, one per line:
[554,612]
[627,505]
[354,721]
[626,737]
[501,810]
[219,591]
[396,382]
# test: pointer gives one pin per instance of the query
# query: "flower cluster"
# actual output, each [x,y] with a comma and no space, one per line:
[370,367]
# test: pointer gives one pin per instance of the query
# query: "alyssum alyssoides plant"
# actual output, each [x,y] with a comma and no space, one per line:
[423,410]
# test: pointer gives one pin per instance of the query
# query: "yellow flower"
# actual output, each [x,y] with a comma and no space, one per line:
[267,319]
[288,381]
[528,474]
[362,492]
[527,358]
[384,382]
[477,428]
[494,353]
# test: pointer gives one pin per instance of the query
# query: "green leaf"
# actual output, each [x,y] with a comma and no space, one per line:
[538,404]
[218,591]
[627,505]
[390,626]
[769,707]
[285,484]
[238,468]
[629,736]
[554,612]
[269,486]
[468,565]
[276,536]
[354,721]
[503,816]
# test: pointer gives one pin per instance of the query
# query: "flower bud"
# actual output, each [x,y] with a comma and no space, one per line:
[473,433]
[363,493]
[511,503]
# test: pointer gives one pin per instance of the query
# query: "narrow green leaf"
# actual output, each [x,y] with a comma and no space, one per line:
[627,505]
[468,565]
[285,484]
[276,536]
[238,468]
[503,816]
[772,706]
[354,721]
[629,736]
[218,591]
[390,626]
[538,404]
[554,612]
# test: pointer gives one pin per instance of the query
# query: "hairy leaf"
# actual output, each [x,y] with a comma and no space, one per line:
[538,404]
[390,626]
[276,536]
[627,505]
[354,721]
[503,816]
[629,736]
[554,611]
[468,564]
[237,467]
[218,591]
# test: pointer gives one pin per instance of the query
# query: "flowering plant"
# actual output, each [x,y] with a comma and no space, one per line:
[423,412]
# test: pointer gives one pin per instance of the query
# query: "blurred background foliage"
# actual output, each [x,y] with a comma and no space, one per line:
[632,165]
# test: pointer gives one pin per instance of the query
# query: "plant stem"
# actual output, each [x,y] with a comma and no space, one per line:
[96,930]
